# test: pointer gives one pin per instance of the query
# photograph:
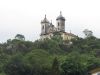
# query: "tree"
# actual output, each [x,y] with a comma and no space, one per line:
[55,67]
[88,33]
[50,45]
[39,61]
[20,37]
[15,66]
[73,65]
[78,64]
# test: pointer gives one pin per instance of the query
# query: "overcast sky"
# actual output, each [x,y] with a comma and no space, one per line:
[24,16]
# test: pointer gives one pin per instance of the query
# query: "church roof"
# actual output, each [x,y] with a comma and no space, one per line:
[60,17]
[45,20]
[70,34]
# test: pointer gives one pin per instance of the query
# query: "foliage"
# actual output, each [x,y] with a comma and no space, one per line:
[77,64]
[50,45]
[88,33]
[19,57]
[55,67]
[20,37]
[17,67]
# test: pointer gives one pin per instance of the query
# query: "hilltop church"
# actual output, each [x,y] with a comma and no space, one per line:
[48,30]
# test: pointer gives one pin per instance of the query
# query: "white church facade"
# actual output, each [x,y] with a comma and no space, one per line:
[48,29]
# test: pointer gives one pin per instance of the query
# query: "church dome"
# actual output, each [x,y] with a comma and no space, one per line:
[45,20]
[60,17]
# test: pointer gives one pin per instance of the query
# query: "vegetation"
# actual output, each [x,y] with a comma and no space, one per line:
[88,33]
[20,37]
[49,57]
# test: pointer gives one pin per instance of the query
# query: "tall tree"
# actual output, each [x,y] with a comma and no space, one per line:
[20,37]
[55,67]
[88,33]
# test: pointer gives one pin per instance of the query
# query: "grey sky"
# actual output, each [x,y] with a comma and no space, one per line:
[24,16]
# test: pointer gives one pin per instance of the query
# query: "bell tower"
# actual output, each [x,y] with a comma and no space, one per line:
[60,23]
[44,26]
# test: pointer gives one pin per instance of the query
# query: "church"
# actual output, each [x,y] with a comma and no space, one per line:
[48,30]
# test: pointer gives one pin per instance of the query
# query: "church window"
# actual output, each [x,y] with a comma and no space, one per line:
[58,23]
[43,27]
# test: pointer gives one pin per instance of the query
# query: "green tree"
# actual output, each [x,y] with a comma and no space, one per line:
[55,67]
[20,37]
[39,61]
[88,33]
[73,65]
[15,66]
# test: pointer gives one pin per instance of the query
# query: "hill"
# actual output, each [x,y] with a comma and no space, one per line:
[50,56]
